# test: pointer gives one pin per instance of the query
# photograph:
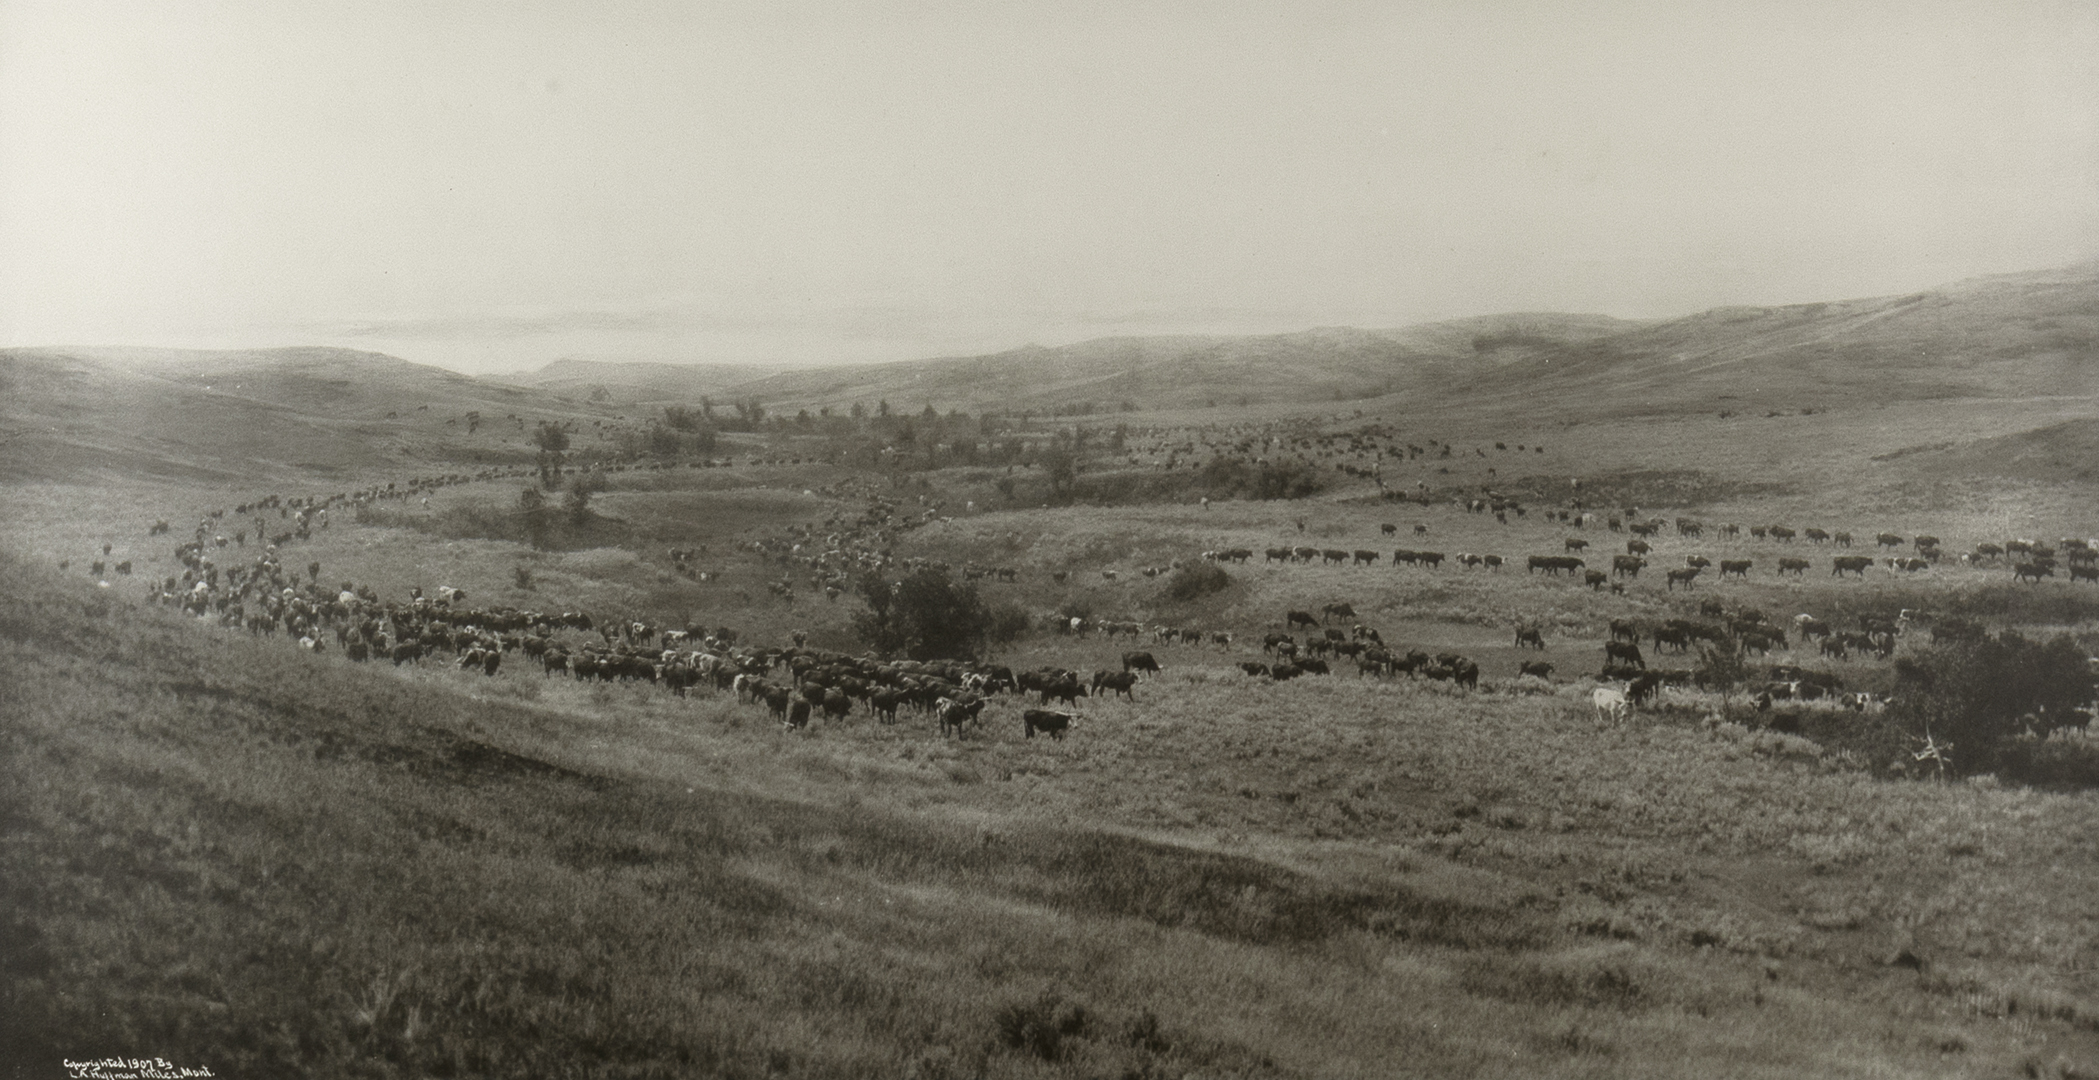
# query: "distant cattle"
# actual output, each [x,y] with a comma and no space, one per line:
[1627,565]
[1139,661]
[1342,610]
[1737,567]
[1611,705]
[1300,618]
[1890,540]
[1534,668]
[1797,567]
[1849,564]
[2032,571]
[1623,652]
[1531,637]
[1682,577]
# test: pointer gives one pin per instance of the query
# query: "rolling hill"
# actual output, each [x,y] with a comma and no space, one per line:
[71,413]
[2030,337]
[634,382]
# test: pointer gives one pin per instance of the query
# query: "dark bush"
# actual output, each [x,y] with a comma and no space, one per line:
[1981,694]
[1008,623]
[1040,1027]
[1197,581]
[926,616]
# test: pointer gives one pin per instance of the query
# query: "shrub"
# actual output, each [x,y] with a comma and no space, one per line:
[1196,581]
[1041,1026]
[1982,693]
[927,616]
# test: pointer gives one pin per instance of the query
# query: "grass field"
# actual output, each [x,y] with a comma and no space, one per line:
[235,853]
[226,852]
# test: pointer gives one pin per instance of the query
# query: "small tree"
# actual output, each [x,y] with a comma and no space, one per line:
[577,502]
[1722,667]
[551,438]
[926,616]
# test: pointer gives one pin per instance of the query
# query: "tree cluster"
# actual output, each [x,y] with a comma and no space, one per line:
[925,616]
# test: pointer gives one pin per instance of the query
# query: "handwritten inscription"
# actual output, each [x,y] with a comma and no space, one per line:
[130,1069]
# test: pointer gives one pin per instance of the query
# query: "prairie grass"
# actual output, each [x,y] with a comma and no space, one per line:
[233,853]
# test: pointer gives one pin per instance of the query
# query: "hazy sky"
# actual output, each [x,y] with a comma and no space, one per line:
[490,186]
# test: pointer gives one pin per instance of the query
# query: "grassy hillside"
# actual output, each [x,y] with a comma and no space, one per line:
[225,852]
[269,414]
[1335,363]
[636,382]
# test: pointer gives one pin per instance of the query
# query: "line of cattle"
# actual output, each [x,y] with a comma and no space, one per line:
[2034,561]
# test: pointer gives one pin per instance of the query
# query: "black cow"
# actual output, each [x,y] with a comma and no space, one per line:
[1122,682]
[798,714]
[1619,651]
[1054,724]
[1300,618]
[1139,661]
[1536,668]
[1531,637]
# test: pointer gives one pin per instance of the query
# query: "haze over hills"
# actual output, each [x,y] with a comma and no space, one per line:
[2017,337]
[2026,334]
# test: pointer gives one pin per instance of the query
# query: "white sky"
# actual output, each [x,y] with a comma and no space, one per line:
[490,186]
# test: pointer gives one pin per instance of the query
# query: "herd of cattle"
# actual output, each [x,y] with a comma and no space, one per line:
[256,591]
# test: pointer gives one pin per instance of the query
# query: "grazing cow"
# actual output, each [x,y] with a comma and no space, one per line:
[1638,547]
[1643,688]
[1798,567]
[1674,636]
[1737,567]
[1611,705]
[1816,536]
[1627,565]
[837,705]
[1531,637]
[952,715]
[1343,610]
[1699,561]
[1122,682]
[1535,668]
[1389,529]
[1683,577]
[1623,652]
[1253,667]
[1269,643]
[1595,579]
[407,652]
[1575,543]
[2084,572]
[1296,619]
[1053,724]
[2033,570]
[1853,564]
[1622,630]
[1139,661]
